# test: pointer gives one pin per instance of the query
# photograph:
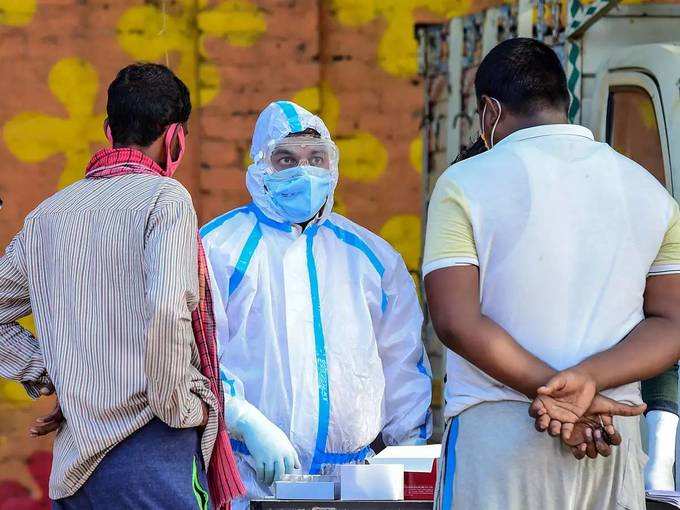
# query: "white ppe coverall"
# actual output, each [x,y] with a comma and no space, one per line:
[319,329]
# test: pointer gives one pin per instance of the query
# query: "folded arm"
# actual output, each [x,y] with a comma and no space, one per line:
[651,347]
[453,301]
[452,287]
[654,344]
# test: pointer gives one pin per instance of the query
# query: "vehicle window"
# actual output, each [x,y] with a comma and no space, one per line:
[632,128]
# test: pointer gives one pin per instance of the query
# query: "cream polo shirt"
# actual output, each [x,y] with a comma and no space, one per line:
[565,232]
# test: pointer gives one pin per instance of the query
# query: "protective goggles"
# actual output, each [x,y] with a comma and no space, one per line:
[292,152]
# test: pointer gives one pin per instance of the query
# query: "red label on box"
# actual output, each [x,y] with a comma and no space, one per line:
[420,486]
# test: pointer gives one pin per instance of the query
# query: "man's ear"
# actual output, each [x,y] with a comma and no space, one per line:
[491,106]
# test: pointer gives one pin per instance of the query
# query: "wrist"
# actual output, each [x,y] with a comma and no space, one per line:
[235,411]
[588,373]
[540,378]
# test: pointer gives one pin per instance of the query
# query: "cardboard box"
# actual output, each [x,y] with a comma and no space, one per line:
[420,468]
[318,491]
[360,482]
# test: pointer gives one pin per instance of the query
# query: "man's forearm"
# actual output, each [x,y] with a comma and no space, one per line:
[649,349]
[20,355]
[490,348]
[453,300]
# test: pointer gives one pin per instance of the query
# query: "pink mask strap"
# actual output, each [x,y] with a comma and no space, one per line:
[109,135]
[170,165]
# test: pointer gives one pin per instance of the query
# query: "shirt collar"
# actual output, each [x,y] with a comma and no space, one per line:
[547,130]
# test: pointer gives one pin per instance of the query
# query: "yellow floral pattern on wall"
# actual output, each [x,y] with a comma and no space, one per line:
[403,232]
[33,137]
[147,32]
[17,13]
[397,50]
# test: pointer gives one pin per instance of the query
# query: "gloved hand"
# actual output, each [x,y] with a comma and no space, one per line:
[272,451]
[661,429]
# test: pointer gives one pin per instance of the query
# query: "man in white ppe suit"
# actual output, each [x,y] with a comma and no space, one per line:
[318,319]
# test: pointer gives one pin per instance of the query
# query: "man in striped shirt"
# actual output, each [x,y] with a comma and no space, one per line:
[107,266]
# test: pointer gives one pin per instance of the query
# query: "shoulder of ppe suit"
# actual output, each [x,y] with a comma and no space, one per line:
[387,255]
[225,225]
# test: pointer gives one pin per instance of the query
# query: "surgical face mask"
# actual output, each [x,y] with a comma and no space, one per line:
[299,192]
[489,143]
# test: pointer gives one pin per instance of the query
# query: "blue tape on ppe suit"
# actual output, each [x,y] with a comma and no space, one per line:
[291,115]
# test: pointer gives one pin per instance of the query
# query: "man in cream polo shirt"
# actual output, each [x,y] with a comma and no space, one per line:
[543,256]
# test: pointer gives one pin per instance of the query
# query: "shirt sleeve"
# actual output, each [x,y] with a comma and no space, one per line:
[175,385]
[668,259]
[20,355]
[449,239]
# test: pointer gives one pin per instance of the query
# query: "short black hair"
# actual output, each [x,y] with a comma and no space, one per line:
[525,75]
[143,100]
[307,132]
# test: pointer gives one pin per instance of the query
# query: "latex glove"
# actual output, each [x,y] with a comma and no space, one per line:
[272,451]
[661,430]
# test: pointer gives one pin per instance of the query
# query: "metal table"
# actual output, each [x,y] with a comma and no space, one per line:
[275,504]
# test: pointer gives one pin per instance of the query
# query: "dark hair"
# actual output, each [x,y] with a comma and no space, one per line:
[475,148]
[143,100]
[525,75]
[307,132]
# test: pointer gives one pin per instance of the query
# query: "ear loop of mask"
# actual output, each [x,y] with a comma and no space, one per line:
[489,145]
[170,165]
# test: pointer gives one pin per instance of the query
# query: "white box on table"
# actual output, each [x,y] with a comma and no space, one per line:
[372,482]
[321,491]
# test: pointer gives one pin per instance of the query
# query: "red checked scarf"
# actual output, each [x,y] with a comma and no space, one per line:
[223,477]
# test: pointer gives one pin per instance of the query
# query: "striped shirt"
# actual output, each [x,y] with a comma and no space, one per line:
[108,269]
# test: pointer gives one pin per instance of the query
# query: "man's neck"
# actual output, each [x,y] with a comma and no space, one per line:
[514,123]
[539,119]
[152,151]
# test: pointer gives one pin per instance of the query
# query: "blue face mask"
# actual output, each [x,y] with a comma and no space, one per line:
[299,192]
